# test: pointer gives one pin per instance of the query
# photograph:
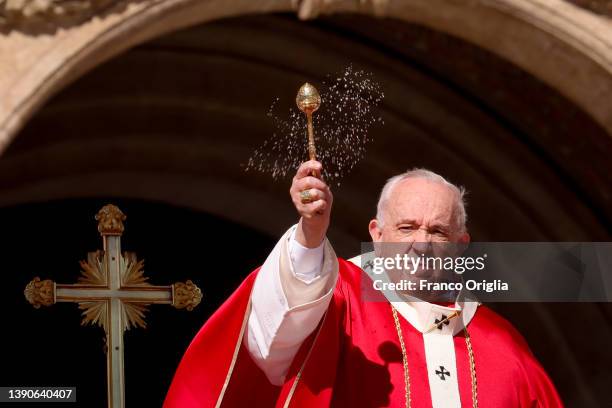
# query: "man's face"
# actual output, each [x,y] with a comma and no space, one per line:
[420,216]
[419,211]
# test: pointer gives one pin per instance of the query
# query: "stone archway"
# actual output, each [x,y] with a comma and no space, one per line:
[551,39]
[574,41]
[43,53]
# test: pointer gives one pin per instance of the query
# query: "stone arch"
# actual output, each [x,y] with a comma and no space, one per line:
[551,39]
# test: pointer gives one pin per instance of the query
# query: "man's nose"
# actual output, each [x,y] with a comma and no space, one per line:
[422,241]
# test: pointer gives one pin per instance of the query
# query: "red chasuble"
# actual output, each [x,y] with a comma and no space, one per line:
[353,359]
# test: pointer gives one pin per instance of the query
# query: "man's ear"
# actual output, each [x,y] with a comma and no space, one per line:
[462,243]
[465,238]
[375,230]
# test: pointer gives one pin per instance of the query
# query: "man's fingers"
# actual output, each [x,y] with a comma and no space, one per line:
[314,208]
[311,195]
[309,182]
[307,196]
[307,168]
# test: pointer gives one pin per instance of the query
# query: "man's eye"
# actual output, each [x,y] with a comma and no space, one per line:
[441,234]
[406,228]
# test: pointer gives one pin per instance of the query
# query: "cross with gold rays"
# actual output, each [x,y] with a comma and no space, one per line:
[113,293]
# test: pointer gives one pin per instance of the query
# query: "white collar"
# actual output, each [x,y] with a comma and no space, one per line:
[424,316]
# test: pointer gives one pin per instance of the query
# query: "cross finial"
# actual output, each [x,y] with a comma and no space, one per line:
[40,292]
[110,220]
[186,295]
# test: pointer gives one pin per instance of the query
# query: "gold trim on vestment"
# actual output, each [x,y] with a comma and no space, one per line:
[235,356]
[299,374]
[237,350]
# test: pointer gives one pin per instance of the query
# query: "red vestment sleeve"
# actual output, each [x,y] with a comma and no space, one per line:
[202,372]
[217,364]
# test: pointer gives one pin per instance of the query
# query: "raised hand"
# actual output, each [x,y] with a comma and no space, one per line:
[313,200]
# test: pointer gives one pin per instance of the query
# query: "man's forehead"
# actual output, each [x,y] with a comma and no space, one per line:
[412,199]
[415,188]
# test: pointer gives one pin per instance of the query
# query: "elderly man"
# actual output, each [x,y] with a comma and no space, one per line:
[300,332]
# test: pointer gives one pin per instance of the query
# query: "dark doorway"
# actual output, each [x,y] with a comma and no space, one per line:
[48,347]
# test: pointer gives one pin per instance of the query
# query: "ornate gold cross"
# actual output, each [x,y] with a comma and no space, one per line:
[113,293]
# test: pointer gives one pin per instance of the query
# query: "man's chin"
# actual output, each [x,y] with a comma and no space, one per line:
[428,296]
[424,274]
